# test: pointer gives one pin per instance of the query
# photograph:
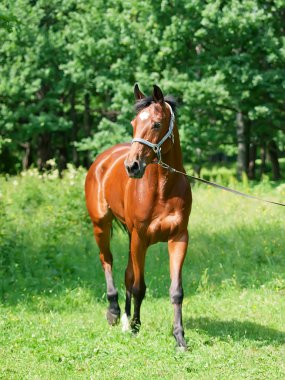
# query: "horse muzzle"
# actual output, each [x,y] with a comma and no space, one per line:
[135,168]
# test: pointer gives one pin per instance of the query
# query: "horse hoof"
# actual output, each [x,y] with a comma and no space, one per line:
[113,319]
[125,323]
[181,348]
[135,326]
[181,344]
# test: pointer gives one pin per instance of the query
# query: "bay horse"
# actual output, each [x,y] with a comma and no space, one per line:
[126,182]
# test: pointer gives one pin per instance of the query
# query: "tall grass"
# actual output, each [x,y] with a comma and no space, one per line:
[52,288]
[47,244]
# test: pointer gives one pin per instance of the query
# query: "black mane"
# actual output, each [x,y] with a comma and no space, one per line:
[147,101]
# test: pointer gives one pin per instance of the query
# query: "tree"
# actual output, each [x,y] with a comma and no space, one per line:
[68,68]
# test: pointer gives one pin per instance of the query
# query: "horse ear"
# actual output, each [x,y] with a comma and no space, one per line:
[138,94]
[157,94]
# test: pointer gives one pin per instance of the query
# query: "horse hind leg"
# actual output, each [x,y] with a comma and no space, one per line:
[102,232]
[129,281]
[177,251]
[138,253]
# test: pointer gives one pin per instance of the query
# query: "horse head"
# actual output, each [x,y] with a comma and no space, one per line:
[153,130]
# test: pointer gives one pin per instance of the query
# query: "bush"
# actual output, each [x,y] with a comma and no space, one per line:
[44,231]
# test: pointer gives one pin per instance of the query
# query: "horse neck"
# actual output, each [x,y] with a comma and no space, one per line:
[172,158]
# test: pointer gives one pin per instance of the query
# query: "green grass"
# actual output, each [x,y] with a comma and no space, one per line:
[52,313]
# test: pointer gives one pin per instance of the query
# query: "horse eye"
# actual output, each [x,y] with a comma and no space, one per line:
[156,125]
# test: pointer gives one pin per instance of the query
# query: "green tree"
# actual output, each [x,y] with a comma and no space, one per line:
[67,70]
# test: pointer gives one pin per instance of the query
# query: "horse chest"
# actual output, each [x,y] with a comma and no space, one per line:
[159,223]
[154,212]
[164,226]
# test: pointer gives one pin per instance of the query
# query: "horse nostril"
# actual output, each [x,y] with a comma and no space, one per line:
[133,168]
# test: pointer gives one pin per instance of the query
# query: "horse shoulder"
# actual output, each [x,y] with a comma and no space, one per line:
[105,182]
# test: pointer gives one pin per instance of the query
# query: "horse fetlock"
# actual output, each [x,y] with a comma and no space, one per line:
[125,323]
[135,325]
[179,337]
[113,314]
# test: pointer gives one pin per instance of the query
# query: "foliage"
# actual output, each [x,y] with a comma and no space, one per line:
[39,230]
[7,20]
[67,70]
[53,288]
[101,140]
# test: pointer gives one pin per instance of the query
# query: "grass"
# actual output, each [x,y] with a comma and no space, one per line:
[52,312]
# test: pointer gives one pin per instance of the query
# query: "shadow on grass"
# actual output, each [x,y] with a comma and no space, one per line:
[236,330]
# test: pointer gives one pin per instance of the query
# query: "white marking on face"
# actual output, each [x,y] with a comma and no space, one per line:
[125,323]
[144,115]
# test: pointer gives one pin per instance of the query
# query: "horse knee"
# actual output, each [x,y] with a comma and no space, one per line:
[176,294]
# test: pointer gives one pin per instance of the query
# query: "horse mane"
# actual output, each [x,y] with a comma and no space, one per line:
[148,100]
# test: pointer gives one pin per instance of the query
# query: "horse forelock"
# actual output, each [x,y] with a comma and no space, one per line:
[148,100]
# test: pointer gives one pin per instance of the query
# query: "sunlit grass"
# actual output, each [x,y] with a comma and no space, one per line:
[52,314]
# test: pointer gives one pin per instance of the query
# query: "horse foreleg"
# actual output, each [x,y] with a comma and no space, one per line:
[102,236]
[129,281]
[138,252]
[177,248]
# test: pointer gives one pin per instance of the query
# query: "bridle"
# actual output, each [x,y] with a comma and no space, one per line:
[157,147]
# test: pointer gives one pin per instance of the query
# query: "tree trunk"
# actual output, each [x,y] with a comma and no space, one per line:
[87,126]
[44,140]
[73,117]
[263,159]
[273,155]
[197,169]
[243,145]
[252,158]
[63,154]
[26,155]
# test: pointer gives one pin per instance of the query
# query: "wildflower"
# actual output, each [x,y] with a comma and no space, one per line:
[53,175]
[281,189]
[51,163]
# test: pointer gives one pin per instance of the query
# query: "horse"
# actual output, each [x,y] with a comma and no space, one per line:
[131,182]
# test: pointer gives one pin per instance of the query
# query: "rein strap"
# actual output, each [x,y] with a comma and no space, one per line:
[213,184]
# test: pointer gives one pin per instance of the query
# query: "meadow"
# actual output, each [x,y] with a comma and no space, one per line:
[53,300]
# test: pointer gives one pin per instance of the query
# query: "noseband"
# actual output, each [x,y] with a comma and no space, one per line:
[157,147]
